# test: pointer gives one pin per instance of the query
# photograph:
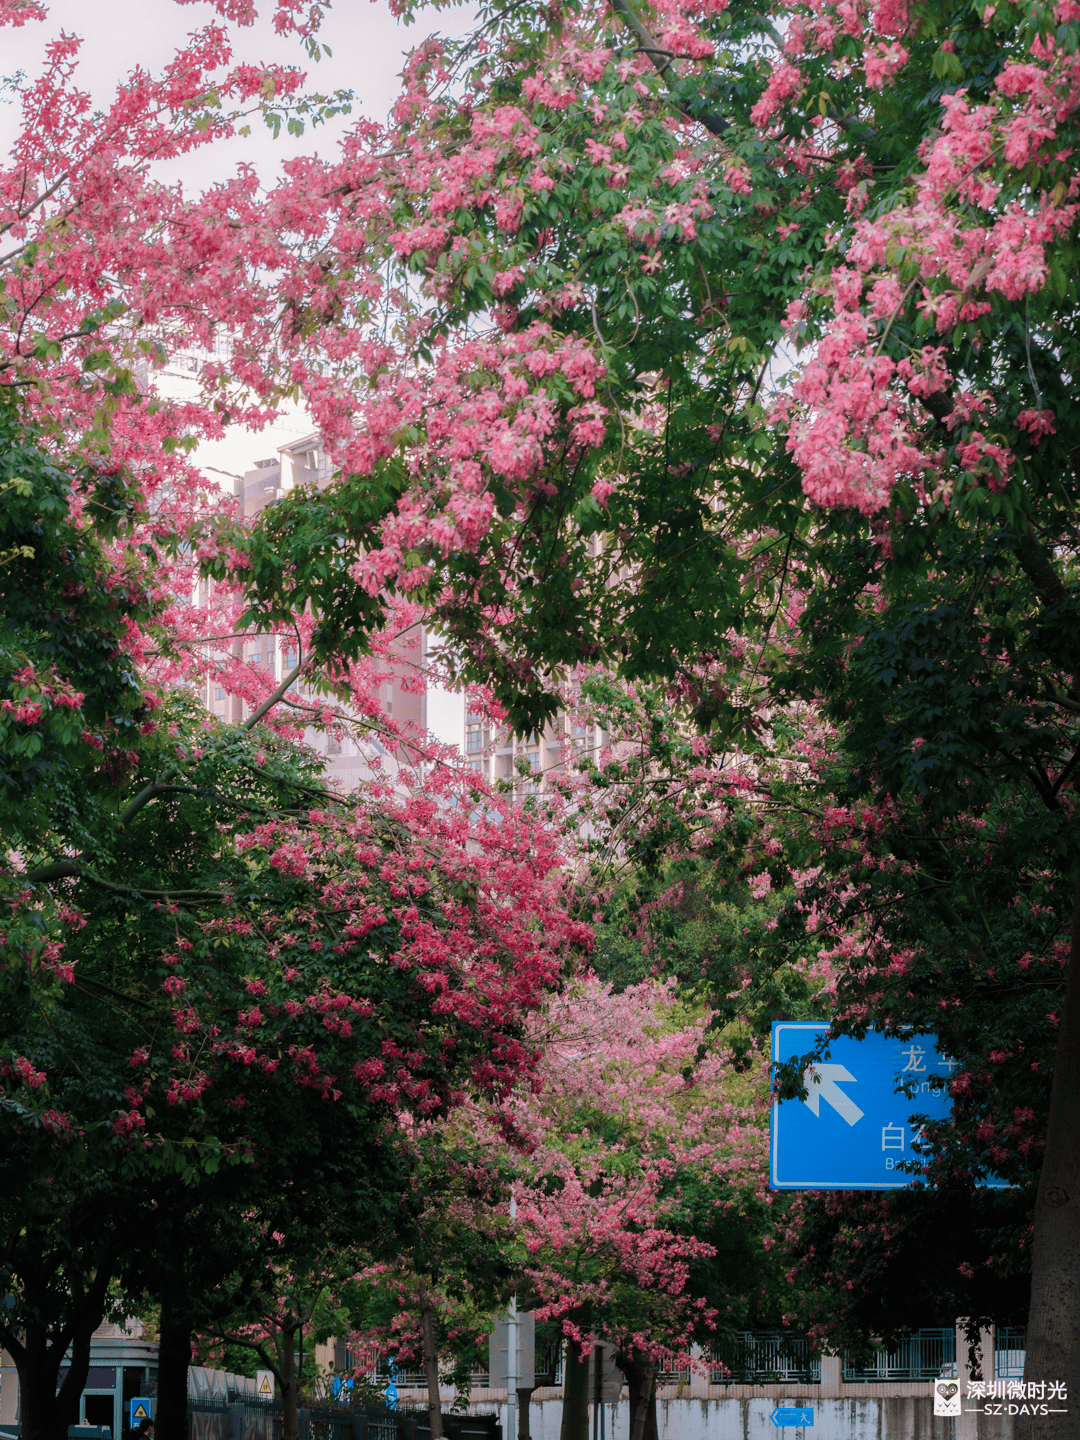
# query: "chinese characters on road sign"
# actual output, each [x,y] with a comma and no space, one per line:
[856,1129]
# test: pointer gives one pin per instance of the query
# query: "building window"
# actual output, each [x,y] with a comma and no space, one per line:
[219,693]
[333,746]
[477,766]
[256,657]
[474,740]
[534,759]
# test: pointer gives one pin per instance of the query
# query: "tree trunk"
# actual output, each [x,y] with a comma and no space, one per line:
[431,1366]
[575,1410]
[45,1411]
[641,1383]
[174,1357]
[290,1383]
[524,1395]
[37,1399]
[67,1400]
[1053,1334]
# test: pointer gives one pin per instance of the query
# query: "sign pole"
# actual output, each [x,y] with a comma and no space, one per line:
[511,1357]
[597,1360]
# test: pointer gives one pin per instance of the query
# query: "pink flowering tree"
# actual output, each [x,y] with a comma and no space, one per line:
[225,984]
[640,1147]
[674,300]
[276,1315]
[430,1287]
[629,1203]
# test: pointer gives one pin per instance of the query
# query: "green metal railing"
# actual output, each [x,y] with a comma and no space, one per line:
[753,1359]
[921,1356]
[1010,1346]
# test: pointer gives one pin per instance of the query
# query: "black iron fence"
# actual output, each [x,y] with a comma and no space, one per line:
[762,1359]
[416,1425]
[215,1418]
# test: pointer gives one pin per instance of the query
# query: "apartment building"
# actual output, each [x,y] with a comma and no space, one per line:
[491,751]
[498,754]
[352,757]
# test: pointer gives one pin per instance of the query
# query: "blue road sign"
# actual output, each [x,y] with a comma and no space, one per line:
[792,1415]
[391,1396]
[854,1130]
[141,1408]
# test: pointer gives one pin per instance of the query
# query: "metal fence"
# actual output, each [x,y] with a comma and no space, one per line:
[671,1374]
[1010,1347]
[375,1425]
[549,1361]
[417,1379]
[209,1418]
[416,1425]
[215,1418]
[921,1356]
[751,1359]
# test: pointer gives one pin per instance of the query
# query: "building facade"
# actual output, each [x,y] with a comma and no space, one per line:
[353,755]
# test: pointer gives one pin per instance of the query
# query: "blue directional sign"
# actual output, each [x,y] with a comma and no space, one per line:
[391,1396]
[854,1130]
[792,1415]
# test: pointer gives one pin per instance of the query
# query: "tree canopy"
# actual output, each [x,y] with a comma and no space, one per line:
[726,354]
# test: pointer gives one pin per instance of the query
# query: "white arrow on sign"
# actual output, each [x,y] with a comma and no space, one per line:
[821,1084]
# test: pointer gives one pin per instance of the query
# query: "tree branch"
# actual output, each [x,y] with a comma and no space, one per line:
[159,787]
[73,870]
[715,124]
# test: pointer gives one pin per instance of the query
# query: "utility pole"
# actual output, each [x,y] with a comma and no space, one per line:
[512,1357]
[598,1390]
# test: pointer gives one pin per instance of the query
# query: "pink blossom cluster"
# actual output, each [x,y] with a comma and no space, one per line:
[861,423]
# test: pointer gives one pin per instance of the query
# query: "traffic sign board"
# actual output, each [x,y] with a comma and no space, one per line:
[792,1415]
[854,1130]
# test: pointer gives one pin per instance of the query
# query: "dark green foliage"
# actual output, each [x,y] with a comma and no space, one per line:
[65,615]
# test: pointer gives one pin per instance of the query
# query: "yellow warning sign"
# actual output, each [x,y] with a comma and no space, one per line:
[139,1413]
[265,1384]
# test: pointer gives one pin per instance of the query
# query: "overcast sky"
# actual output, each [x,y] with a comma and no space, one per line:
[367,43]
